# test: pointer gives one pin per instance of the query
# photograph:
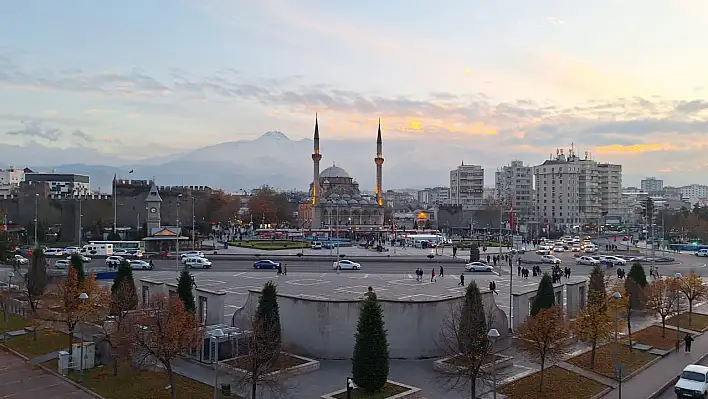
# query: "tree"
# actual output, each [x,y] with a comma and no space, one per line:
[123,292]
[637,274]
[113,236]
[7,246]
[77,263]
[635,298]
[695,290]
[661,299]
[545,336]
[185,283]
[117,329]
[36,285]
[164,330]
[269,206]
[545,295]
[370,361]
[464,337]
[265,344]
[594,323]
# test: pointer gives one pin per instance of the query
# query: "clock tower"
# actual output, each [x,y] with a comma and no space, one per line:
[154,201]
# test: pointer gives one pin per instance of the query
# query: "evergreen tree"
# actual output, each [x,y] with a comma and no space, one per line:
[185,282]
[370,360]
[596,288]
[267,320]
[471,334]
[637,274]
[78,264]
[124,286]
[545,297]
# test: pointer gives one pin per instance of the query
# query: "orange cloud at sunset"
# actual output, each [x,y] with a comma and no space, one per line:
[635,149]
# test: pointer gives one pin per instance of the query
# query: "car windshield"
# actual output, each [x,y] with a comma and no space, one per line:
[693,376]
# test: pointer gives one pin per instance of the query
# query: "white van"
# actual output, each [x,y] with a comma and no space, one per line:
[97,250]
[196,262]
[316,245]
[702,252]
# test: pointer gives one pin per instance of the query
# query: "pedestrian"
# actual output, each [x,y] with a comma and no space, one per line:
[488,259]
[518,269]
[462,280]
[285,269]
[432,276]
[688,339]
[493,287]
[280,269]
[442,272]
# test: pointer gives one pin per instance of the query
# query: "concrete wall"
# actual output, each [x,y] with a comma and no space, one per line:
[210,304]
[522,300]
[325,329]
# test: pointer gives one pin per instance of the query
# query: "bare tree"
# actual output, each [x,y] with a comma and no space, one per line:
[117,328]
[695,290]
[35,286]
[661,297]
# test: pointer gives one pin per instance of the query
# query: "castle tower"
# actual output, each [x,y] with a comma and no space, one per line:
[316,158]
[379,160]
[153,201]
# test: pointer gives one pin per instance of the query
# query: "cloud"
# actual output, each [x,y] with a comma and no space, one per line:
[82,135]
[691,107]
[35,129]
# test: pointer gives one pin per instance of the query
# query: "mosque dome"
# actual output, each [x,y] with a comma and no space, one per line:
[334,172]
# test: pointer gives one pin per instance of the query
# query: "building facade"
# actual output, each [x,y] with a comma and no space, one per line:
[434,196]
[70,184]
[557,197]
[610,193]
[652,185]
[694,193]
[467,187]
[514,185]
[10,180]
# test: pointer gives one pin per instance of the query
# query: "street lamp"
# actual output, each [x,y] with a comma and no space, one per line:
[678,310]
[36,219]
[618,365]
[82,298]
[493,335]
[10,275]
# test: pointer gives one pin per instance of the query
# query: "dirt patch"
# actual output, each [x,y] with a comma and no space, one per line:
[632,360]
[284,362]
[557,383]
[699,321]
[652,336]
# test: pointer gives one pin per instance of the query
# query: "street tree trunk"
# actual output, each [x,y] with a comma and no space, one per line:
[543,369]
[171,375]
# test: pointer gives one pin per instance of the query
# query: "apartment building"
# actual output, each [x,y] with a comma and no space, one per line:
[434,196]
[62,183]
[467,187]
[652,185]
[694,193]
[610,192]
[557,197]
[514,185]
[10,180]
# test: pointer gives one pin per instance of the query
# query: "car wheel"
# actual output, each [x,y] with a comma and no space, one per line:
[145,267]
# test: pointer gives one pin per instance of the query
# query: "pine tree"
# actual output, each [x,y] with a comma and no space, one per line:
[78,264]
[124,285]
[472,333]
[637,274]
[370,360]
[268,318]
[596,288]
[545,297]
[185,282]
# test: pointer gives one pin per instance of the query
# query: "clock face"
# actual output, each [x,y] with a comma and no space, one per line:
[153,210]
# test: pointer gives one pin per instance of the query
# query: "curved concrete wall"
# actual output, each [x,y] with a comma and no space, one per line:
[325,329]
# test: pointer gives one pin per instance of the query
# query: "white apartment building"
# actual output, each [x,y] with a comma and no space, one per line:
[610,192]
[467,187]
[62,183]
[652,185]
[10,180]
[557,198]
[514,185]
[434,196]
[694,193]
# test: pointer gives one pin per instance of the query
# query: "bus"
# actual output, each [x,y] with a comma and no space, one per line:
[124,245]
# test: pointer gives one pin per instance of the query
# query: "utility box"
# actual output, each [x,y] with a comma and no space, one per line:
[64,363]
[89,354]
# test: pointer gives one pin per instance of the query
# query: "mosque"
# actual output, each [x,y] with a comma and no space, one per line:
[335,199]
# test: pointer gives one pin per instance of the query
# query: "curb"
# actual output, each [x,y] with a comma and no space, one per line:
[50,371]
[672,381]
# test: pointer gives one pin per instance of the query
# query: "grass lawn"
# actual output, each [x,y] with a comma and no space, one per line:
[14,323]
[556,384]
[605,360]
[269,245]
[699,321]
[652,336]
[387,391]
[139,384]
[48,341]
[284,362]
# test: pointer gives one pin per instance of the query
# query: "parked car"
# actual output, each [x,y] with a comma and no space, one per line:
[53,252]
[550,259]
[586,260]
[693,382]
[265,264]
[478,267]
[62,264]
[345,264]
[197,262]
[140,265]
[114,261]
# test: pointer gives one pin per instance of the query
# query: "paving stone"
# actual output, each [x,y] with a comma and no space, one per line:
[641,347]
[659,352]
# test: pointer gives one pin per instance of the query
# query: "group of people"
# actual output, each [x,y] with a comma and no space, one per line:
[621,274]
[654,272]
[419,274]
[497,258]
[557,273]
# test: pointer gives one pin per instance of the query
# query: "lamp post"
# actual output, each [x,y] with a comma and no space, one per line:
[36,219]
[493,335]
[10,275]
[179,230]
[618,365]
[678,309]
[82,299]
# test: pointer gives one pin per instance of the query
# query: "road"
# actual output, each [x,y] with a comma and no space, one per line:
[669,393]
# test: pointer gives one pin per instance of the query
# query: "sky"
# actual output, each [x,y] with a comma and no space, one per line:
[623,80]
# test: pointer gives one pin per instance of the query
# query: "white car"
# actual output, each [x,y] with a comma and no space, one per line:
[558,249]
[586,260]
[346,265]
[591,249]
[62,264]
[72,250]
[702,252]
[197,262]
[693,382]
[191,254]
[114,261]
[19,260]
[83,258]
[543,251]
[140,265]
[316,245]
[550,259]
[478,267]
[53,252]
[3,286]
[120,252]
[614,260]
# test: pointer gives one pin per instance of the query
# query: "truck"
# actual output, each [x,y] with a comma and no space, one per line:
[96,249]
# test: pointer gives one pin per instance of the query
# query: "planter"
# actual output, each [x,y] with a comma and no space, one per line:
[301,365]
[409,392]
[446,364]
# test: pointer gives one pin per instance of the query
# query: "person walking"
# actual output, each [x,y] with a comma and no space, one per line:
[432,276]
[518,269]
[688,339]
[462,280]
[442,272]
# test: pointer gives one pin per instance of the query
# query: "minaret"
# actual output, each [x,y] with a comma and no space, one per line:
[379,160]
[316,157]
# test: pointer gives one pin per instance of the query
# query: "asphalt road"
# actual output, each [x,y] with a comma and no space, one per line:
[669,393]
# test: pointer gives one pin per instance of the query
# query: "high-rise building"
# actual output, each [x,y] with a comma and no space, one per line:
[434,196]
[652,185]
[611,193]
[557,198]
[71,184]
[694,193]
[514,185]
[467,187]
[10,180]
